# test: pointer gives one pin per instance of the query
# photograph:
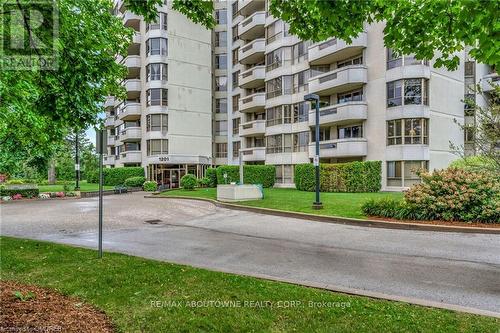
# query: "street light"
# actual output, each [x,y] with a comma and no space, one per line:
[313,97]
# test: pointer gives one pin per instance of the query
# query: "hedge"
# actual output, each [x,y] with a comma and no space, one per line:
[211,174]
[253,174]
[117,176]
[25,192]
[92,176]
[136,181]
[341,177]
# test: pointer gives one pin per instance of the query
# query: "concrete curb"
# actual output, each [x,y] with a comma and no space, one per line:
[340,220]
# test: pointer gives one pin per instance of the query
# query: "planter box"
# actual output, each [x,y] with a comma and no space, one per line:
[233,193]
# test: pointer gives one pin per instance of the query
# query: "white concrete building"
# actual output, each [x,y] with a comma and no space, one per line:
[247,80]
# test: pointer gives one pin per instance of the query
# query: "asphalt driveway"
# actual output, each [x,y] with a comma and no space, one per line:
[460,269]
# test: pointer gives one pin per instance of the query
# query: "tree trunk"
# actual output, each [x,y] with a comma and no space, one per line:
[52,171]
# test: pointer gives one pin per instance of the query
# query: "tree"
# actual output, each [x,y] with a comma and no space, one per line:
[484,132]
[430,29]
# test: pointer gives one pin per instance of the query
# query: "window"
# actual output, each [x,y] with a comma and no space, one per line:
[220,83]
[157,122]
[221,61]
[404,173]
[236,101]
[274,116]
[234,31]
[236,148]
[279,86]
[156,72]
[301,81]
[156,46]
[351,96]
[470,68]
[236,125]
[220,105]
[235,77]
[235,56]
[469,134]
[160,23]
[350,132]
[157,96]
[301,112]
[319,69]
[274,32]
[234,8]
[414,91]
[277,58]
[131,146]
[299,51]
[324,134]
[221,127]
[284,174]
[394,60]
[221,150]
[408,131]
[274,144]
[358,60]
[221,16]
[157,147]
[300,141]
[220,39]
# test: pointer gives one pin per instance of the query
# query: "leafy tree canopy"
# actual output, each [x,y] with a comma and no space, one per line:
[430,29]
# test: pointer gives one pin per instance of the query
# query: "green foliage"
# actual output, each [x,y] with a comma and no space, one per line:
[25,192]
[341,177]
[474,163]
[15,181]
[135,181]
[24,297]
[252,174]
[150,186]
[204,182]
[451,195]
[199,11]
[92,176]
[211,174]
[189,181]
[117,176]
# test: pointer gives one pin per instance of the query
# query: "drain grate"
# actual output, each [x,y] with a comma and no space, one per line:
[153,221]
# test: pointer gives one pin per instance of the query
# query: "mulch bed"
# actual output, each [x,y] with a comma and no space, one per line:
[43,310]
[444,223]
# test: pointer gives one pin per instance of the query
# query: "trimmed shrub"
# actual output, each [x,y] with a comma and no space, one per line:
[451,195]
[25,192]
[203,182]
[117,176]
[15,181]
[340,177]
[150,186]
[135,181]
[253,174]
[211,174]
[189,181]
[92,176]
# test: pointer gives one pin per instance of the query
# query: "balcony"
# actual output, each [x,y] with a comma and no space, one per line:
[130,111]
[111,140]
[131,157]
[340,113]
[253,154]
[334,49]
[135,47]
[252,52]
[338,80]
[253,128]
[110,102]
[352,147]
[110,121]
[253,77]
[132,61]
[252,27]
[253,103]
[133,88]
[247,7]
[489,81]
[108,160]
[131,20]
[408,72]
[130,134]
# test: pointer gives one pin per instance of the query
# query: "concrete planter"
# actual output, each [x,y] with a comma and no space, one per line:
[233,193]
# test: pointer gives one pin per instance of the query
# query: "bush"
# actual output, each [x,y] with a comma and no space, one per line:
[189,181]
[135,181]
[150,186]
[474,163]
[92,176]
[252,174]
[203,182]
[25,192]
[211,174]
[340,177]
[451,195]
[117,176]
[15,181]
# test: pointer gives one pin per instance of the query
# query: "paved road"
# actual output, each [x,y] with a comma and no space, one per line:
[454,268]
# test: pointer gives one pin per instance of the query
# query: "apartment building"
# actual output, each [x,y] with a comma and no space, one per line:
[165,122]
[238,93]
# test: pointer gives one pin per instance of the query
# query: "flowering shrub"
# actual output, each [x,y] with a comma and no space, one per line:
[6,198]
[17,196]
[451,194]
[60,194]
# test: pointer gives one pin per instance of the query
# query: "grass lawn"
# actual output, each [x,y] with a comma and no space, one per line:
[124,287]
[335,204]
[84,187]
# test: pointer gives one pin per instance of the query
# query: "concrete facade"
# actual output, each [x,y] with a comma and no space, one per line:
[238,92]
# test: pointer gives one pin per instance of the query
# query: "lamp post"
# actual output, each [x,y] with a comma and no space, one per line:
[77,162]
[313,97]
